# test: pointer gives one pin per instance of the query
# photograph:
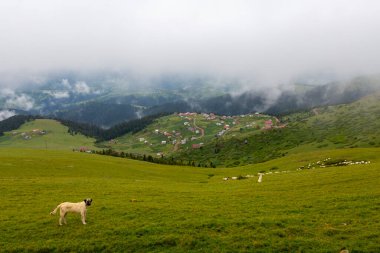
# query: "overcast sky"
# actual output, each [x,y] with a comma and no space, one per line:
[268,40]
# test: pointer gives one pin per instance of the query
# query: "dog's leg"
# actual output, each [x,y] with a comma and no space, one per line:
[62,218]
[83,214]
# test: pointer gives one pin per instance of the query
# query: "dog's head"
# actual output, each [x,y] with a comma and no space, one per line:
[88,202]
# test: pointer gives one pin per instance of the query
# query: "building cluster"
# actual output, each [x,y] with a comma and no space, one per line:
[30,134]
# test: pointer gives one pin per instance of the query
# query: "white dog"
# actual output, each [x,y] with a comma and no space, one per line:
[67,207]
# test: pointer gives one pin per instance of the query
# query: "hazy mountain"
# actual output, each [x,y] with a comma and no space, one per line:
[106,99]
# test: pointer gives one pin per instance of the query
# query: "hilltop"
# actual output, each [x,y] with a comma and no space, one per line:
[45,134]
[190,131]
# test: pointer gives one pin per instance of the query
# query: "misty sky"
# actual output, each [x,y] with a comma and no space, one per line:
[269,40]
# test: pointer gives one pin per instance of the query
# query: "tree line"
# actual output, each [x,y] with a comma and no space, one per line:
[14,122]
[149,158]
[89,130]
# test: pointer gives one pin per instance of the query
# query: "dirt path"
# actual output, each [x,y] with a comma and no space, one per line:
[315,111]
[176,146]
[178,142]
[200,129]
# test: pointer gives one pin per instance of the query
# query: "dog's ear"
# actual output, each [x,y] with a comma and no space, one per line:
[84,200]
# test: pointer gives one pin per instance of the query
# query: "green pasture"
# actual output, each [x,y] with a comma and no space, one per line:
[56,136]
[144,207]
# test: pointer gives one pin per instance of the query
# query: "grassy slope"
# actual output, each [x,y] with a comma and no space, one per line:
[343,126]
[56,136]
[187,209]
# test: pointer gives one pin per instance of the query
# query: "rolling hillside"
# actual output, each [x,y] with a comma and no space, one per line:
[326,128]
[190,131]
[45,134]
[144,207]
[222,141]
[238,140]
[320,190]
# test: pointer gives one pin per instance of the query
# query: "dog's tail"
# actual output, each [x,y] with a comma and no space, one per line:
[55,210]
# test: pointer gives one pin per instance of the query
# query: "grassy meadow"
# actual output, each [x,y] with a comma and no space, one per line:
[45,134]
[144,207]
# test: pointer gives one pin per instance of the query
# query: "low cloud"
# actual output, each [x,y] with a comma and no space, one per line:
[58,94]
[16,101]
[266,42]
[66,84]
[5,114]
[81,87]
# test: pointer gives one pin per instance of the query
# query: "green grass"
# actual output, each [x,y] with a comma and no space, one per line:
[183,209]
[56,136]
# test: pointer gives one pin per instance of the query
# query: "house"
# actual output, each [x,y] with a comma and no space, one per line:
[268,124]
[183,142]
[163,142]
[188,114]
[156,131]
[84,149]
[141,139]
[196,146]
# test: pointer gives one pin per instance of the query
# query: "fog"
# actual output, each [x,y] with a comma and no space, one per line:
[261,43]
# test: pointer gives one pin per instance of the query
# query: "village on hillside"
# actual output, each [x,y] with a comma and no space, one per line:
[27,135]
[190,130]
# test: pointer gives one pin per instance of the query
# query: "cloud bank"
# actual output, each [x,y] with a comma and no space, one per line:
[262,42]
[4,114]
[16,101]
